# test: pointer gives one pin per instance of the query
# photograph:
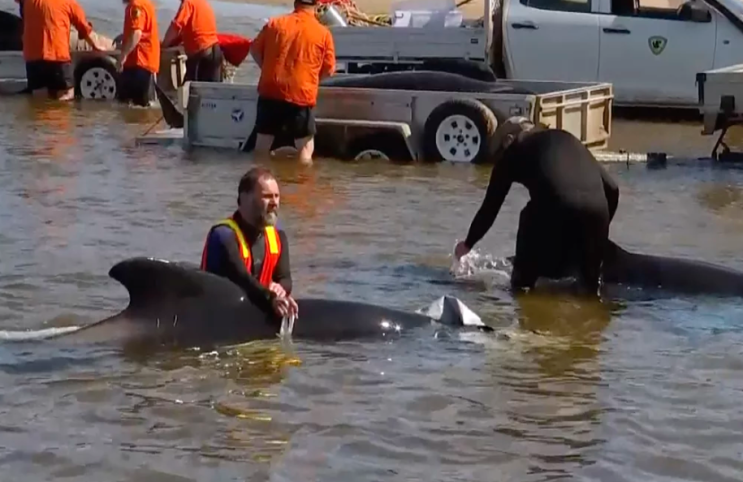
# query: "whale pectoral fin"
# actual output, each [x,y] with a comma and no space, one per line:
[150,282]
[450,311]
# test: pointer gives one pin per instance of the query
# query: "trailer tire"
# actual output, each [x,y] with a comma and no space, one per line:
[96,78]
[459,130]
[385,145]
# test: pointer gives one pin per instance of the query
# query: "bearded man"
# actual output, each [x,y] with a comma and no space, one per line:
[248,248]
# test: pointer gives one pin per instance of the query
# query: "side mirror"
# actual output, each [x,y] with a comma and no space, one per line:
[693,11]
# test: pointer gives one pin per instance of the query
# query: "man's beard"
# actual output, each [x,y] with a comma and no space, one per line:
[270,218]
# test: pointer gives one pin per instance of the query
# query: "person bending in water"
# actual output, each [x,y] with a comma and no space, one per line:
[565,225]
[249,250]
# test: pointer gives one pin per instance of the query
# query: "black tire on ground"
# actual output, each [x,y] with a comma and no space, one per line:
[385,145]
[99,71]
[464,128]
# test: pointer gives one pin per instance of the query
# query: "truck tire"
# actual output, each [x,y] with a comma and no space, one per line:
[459,130]
[382,145]
[96,78]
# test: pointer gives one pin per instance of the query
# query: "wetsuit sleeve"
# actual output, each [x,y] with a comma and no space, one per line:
[611,190]
[283,275]
[233,268]
[501,179]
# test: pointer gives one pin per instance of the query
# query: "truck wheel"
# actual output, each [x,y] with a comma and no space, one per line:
[96,79]
[383,145]
[459,131]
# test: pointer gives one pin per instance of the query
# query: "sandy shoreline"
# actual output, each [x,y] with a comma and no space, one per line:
[474,9]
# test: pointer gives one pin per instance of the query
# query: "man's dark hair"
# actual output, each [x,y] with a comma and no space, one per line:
[250,179]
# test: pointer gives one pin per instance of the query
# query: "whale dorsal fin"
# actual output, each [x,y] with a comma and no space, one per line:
[150,281]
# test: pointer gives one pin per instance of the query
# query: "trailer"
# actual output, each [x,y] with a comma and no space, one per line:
[358,123]
[721,105]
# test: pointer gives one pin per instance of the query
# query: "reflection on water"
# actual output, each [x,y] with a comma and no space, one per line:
[626,389]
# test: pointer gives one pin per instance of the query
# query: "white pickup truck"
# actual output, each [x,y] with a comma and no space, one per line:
[650,50]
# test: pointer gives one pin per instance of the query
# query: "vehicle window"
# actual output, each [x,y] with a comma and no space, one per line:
[560,5]
[659,9]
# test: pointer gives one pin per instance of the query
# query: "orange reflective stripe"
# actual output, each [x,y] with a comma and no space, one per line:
[271,259]
[273,250]
[245,251]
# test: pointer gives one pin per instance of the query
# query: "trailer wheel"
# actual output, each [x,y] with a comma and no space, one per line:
[383,145]
[96,78]
[459,130]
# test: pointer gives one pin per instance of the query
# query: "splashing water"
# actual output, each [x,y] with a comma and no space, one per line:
[476,263]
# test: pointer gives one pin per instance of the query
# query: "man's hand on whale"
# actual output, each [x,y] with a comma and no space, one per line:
[285,306]
[277,289]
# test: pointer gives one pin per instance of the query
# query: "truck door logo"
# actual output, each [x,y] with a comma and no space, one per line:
[657,44]
[237,115]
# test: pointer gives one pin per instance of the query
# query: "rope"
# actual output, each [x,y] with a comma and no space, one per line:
[153,126]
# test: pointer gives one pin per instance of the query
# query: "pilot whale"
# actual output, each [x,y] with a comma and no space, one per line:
[669,274]
[679,275]
[178,305]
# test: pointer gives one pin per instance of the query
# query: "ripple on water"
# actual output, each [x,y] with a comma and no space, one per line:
[642,389]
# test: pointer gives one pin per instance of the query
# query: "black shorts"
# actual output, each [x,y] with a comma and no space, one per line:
[135,85]
[205,66]
[48,74]
[274,117]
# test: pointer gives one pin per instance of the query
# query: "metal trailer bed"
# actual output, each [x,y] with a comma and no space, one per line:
[721,106]
[416,124]
[387,45]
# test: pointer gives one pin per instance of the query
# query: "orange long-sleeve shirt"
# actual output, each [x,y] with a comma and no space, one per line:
[295,50]
[140,15]
[46,28]
[197,25]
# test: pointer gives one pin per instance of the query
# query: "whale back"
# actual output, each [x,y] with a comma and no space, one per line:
[420,80]
[180,304]
[668,273]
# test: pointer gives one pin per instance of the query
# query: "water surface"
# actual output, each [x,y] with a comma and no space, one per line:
[630,389]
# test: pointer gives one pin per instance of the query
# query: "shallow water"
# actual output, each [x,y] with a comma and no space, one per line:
[635,389]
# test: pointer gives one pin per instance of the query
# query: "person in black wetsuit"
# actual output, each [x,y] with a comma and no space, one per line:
[249,250]
[565,225]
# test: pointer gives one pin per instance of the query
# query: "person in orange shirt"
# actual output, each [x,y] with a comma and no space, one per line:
[196,26]
[294,51]
[139,60]
[46,44]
